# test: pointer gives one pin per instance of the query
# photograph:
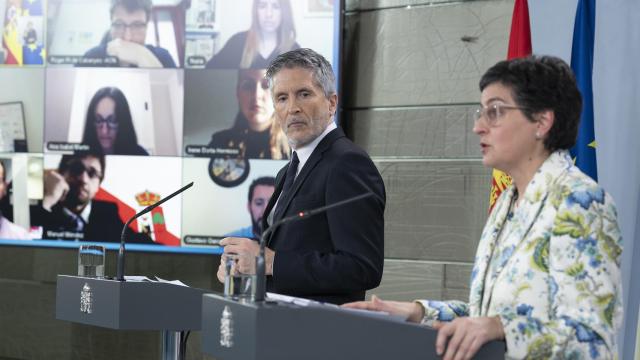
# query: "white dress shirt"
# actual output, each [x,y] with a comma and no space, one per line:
[304,153]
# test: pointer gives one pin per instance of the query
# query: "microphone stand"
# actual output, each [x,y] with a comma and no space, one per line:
[261,278]
[120,267]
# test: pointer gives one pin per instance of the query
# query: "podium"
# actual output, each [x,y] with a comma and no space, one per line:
[131,305]
[277,330]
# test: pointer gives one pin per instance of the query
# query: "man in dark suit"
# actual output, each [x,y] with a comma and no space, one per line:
[69,210]
[337,255]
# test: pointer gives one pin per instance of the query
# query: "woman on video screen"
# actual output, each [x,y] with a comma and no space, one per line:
[272,32]
[255,133]
[108,126]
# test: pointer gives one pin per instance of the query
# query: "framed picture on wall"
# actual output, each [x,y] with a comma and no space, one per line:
[13,134]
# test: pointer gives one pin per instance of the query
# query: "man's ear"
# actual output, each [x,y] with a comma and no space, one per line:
[333,104]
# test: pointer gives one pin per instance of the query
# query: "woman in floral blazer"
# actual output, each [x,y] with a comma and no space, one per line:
[546,277]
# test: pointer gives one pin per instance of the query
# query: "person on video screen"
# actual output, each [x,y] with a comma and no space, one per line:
[108,125]
[69,209]
[254,132]
[125,39]
[9,230]
[260,192]
[30,35]
[272,32]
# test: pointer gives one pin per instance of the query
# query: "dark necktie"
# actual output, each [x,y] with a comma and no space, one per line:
[286,188]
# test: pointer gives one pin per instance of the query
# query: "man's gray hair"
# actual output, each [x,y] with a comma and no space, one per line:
[307,59]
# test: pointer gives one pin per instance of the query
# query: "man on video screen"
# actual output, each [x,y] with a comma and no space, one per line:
[125,39]
[69,210]
[260,192]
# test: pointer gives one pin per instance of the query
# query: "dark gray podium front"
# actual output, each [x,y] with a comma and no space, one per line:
[131,305]
[234,331]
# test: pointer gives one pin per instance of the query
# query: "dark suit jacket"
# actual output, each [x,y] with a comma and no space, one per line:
[337,255]
[104,224]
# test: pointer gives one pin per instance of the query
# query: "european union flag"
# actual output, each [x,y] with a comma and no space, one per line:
[32,55]
[582,64]
[32,7]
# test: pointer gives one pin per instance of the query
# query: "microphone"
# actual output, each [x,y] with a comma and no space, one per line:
[261,278]
[120,268]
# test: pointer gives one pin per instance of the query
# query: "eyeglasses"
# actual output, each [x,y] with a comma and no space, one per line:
[77,168]
[110,121]
[250,84]
[120,27]
[493,112]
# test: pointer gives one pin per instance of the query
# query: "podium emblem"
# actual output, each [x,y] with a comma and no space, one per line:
[86,299]
[226,328]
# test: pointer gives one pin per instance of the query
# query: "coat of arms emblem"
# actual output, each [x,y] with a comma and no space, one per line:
[226,328]
[86,299]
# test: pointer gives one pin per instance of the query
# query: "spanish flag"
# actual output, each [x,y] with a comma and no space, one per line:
[519,46]
[10,38]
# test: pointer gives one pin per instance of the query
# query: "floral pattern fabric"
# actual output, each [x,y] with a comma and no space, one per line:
[550,270]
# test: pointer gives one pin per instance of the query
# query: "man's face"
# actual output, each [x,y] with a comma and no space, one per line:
[302,109]
[261,196]
[129,26]
[84,177]
[254,99]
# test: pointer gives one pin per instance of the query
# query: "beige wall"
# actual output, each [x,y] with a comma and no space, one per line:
[410,86]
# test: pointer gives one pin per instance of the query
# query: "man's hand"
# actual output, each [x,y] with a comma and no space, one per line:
[130,53]
[466,335]
[55,189]
[411,311]
[244,251]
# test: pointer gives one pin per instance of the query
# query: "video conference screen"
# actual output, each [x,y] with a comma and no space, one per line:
[108,106]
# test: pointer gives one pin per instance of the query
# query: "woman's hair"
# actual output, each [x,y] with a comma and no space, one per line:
[286,33]
[540,83]
[126,140]
[278,144]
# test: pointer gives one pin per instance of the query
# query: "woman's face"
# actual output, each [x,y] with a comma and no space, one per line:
[254,99]
[269,15]
[106,123]
[510,140]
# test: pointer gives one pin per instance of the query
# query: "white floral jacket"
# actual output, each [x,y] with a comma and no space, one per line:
[554,277]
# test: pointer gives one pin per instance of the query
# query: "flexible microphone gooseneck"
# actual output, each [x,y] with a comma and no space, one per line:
[261,278]
[120,268]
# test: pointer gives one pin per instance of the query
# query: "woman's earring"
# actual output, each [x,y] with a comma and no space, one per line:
[538,136]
